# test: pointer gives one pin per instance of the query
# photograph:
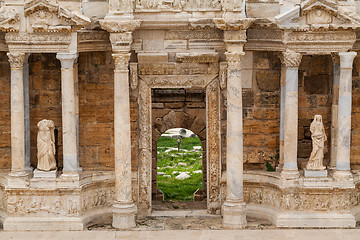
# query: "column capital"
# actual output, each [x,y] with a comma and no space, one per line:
[16,59]
[291,59]
[121,60]
[67,59]
[234,59]
[335,57]
[347,59]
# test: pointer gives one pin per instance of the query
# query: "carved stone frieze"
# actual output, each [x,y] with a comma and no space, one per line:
[177,5]
[38,42]
[177,68]
[291,59]
[197,57]
[9,19]
[16,59]
[199,24]
[134,78]
[186,34]
[177,81]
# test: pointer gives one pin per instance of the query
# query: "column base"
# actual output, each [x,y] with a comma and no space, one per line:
[234,215]
[343,179]
[289,174]
[124,215]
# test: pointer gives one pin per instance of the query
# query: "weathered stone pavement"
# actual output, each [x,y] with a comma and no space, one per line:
[276,234]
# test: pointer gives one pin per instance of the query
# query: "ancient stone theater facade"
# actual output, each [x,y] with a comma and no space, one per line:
[247,77]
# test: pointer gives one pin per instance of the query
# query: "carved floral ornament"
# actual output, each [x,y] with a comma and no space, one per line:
[16,59]
[291,58]
[234,58]
[116,26]
[121,60]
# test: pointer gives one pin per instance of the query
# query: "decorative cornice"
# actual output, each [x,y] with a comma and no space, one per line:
[16,59]
[291,59]
[239,24]
[113,25]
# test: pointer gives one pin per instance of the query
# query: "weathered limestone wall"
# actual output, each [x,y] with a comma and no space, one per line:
[261,103]
[45,99]
[315,98]
[355,117]
[5,131]
[96,110]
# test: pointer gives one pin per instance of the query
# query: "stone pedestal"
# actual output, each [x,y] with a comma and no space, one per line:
[44,174]
[234,215]
[124,215]
[315,173]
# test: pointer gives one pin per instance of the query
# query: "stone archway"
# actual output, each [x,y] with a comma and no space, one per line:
[210,84]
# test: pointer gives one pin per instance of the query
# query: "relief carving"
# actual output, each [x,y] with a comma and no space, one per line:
[134,78]
[292,59]
[9,19]
[16,59]
[318,16]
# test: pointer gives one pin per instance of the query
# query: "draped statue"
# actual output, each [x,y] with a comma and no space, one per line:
[318,137]
[46,146]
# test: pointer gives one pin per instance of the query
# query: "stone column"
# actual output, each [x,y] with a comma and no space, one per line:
[234,208]
[124,209]
[292,61]
[282,117]
[344,117]
[27,113]
[334,109]
[16,60]
[70,147]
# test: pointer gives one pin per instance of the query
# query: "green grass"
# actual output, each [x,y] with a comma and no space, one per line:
[174,189]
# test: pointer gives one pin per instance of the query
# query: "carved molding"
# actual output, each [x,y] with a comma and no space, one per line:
[134,78]
[16,59]
[292,59]
[223,74]
[177,5]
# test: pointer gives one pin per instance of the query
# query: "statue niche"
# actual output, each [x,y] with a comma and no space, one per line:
[46,146]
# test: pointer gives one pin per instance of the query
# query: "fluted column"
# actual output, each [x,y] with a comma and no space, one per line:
[124,209]
[234,209]
[16,60]
[69,126]
[334,109]
[344,117]
[292,62]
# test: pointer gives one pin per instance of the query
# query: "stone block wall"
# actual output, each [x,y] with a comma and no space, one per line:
[45,99]
[315,98]
[261,111]
[355,117]
[96,110]
[5,132]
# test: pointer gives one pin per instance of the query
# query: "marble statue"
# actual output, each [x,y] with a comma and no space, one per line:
[46,146]
[318,137]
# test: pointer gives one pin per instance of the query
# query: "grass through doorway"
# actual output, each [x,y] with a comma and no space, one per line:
[171,163]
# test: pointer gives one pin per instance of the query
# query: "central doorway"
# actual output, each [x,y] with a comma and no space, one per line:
[180,169]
